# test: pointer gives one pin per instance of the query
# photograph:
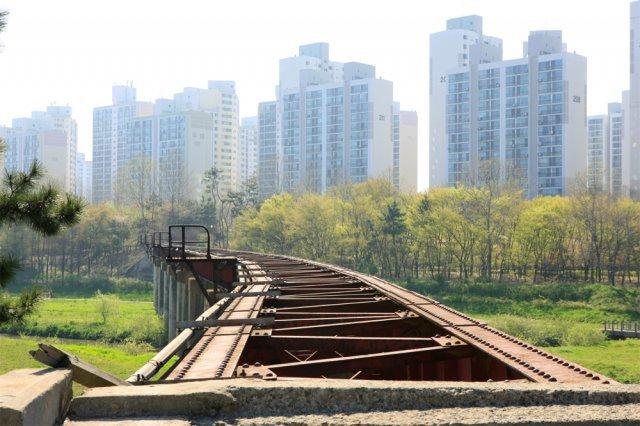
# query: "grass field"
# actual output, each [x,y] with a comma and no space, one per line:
[564,318]
[618,359]
[119,360]
[126,321]
[590,303]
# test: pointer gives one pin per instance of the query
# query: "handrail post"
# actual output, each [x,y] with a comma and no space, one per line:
[184,239]
[208,243]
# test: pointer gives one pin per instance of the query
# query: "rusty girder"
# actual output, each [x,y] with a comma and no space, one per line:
[334,323]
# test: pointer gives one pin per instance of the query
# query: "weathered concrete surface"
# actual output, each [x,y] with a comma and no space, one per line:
[149,421]
[548,415]
[34,396]
[248,401]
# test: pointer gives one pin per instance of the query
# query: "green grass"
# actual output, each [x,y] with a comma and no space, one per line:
[86,287]
[82,319]
[564,318]
[119,360]
[592,303]
[618,359]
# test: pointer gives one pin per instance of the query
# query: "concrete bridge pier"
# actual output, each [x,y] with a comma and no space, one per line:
[157,274]
[165,290]
[182,299]
[172,289]
[176,296]
[195,300]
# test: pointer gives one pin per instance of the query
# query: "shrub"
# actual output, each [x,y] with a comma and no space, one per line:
[148,331]
[108,306]
[581,334]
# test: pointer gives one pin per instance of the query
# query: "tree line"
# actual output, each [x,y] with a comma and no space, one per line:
[486,232]
[105,241]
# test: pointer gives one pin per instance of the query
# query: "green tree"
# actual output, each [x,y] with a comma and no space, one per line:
[24,200]
[394,226]
[135,186]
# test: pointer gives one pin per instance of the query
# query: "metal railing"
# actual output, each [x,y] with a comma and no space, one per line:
[186,239]
[621,328]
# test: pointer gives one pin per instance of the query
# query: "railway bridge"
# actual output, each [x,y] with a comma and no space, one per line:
[257,338]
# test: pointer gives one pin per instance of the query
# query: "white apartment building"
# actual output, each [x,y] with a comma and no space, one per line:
[248,149]
[527,115]
[168,154]
[83,177]
[49,137]
[619,160]
[405,150]
[598,152]
[268,149]
[221,102]
[169,151]
[609,159]
[61,119]
[461,45]
[633,122]
[110,139]
[331,123]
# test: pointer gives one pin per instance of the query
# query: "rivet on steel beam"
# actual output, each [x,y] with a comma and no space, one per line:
[257,364]
[553,379]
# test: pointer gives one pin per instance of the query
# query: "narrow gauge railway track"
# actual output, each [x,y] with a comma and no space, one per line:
[290,318]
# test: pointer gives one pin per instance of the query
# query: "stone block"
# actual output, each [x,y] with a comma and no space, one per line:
[34,396]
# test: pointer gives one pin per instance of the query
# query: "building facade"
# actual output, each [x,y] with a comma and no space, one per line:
[83,177]
[165,148]
[461,46]
[248,150]
[110,139]
[221,102]
[268,149]
[618,168]
[633,122]
[526,116]
[49,137]
[598,152]
[331,123]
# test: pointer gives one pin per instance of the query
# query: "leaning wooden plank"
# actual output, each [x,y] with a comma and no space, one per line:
[82,372]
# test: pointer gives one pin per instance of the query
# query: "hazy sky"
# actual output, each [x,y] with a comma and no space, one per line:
[72,52]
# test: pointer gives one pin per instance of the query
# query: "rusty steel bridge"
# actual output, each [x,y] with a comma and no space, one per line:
[234,314]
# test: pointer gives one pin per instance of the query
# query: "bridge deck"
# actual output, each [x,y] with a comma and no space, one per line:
[295,319]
